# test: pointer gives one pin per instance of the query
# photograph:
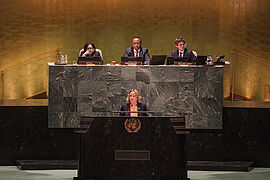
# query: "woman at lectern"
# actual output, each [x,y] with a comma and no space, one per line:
[133,107]
[89,50]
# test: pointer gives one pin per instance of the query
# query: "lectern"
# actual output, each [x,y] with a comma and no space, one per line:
[130,148]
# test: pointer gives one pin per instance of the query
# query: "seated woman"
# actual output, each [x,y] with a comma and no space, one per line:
[89,50]
[133,105]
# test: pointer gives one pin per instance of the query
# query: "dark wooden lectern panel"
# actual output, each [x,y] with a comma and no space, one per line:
[109,150]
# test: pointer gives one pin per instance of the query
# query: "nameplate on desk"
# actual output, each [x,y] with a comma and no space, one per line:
[184,63]
[57,63]
[88,62]
[131,60]
[131,155]
[131,63]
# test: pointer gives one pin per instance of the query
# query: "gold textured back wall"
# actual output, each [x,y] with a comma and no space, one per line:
[211,27]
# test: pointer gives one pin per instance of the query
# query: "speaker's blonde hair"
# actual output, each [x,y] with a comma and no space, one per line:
[139,98]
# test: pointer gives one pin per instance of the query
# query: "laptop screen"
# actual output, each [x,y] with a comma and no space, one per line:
[158,59]
[200,60]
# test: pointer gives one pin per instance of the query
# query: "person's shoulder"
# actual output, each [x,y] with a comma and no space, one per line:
[97,53]
[129,49]
[174,51]
[125,106]
[142,105]
[144,49]
[81,52]
[188,51]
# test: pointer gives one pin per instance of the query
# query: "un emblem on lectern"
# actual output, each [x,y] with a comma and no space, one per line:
[132,125]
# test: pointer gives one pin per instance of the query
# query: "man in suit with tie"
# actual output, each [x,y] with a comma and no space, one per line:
[181,51]
[137,51]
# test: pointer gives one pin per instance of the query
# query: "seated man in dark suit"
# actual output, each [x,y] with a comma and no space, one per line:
[181,51]
[137,51]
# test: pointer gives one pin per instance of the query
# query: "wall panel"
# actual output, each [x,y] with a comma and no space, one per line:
[211,27]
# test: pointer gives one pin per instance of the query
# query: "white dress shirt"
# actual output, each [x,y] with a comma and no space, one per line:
[181,55]
[135,52]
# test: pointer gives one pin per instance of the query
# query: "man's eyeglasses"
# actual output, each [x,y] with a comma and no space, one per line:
[181,44]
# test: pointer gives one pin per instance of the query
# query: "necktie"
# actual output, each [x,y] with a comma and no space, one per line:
[181,54]
[137,53]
